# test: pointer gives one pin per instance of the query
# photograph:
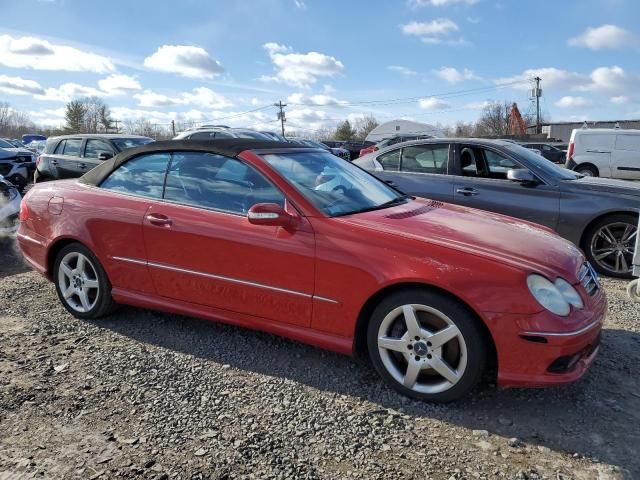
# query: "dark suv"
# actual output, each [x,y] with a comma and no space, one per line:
[71,156]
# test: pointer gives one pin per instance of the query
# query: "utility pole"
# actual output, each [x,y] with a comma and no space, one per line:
[116,122]
[173,127]
[281,116]
[538,93]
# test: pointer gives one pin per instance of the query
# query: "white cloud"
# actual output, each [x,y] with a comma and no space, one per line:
[68,91]
[19,86]
[319,100]
[612,80]
[300,69]
[620,99]
[433,104]
[38,54]
[454,76]
[552,78]
[186,60]
[605,36]
[300,4]
[573,102]
[327,88]
[477,105]
[438,3]
[206,98]
[119,84]
[406,71]
[200,97]
[439,26]
[435,32]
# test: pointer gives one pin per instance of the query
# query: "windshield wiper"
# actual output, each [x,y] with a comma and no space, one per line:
[390,203]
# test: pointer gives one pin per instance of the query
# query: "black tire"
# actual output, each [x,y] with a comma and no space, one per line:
[593,247]
[474,340]
[102,302]
[587,170]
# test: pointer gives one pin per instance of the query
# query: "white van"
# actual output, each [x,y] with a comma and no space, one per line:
[605,152]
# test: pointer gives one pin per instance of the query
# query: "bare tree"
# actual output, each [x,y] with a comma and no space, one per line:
[494,120]
[364,125]
[5,114]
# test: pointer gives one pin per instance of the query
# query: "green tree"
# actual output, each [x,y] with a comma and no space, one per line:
[344,131]
[74,116]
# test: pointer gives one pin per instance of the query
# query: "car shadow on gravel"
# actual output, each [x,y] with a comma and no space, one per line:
[11,261]
[597,417]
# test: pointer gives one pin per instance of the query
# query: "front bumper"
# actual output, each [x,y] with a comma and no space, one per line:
[538,357]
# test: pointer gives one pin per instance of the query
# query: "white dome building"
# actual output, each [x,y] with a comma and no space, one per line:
[402,127]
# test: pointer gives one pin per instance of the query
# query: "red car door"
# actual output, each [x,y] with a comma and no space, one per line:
[115,219]
[202,249]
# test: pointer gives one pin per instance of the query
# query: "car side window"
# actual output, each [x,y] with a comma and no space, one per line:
[390,161]
[217,182]
[202,136]
[425,159]
[498,165]
[59,148]
[72,147]
[96,146]
[143,176]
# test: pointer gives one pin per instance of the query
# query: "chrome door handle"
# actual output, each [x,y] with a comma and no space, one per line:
[159,220]
[467,191]
[83,165]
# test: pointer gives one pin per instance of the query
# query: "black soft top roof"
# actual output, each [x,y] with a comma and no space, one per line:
[229,147]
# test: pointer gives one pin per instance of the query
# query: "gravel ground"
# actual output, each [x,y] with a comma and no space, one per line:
[142,394]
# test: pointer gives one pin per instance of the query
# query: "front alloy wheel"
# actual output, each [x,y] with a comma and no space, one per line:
[426,346]
[611,245]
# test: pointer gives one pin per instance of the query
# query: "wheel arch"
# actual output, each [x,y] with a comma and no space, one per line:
[593,221]
[55,248]
[587,164]
[360,335]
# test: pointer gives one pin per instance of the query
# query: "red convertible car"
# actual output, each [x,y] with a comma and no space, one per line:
[297,242]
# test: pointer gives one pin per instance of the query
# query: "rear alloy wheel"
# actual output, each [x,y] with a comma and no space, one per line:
[81,283]
[426,346]
[610,244]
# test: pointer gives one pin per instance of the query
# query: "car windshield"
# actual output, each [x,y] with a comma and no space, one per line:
[542,163]
[334,186]
[5,144]
[313,143]
[125,143]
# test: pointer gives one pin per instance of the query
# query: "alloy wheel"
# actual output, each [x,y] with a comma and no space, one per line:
[612,246]
[78,282]
[422,348]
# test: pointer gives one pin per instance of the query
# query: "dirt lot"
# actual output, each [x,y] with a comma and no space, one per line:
[149,395]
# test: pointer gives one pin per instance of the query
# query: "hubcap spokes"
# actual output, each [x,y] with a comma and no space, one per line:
[612,246]
[430,356]
[78,282]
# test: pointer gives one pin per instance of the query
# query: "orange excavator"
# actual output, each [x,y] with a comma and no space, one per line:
[516,123]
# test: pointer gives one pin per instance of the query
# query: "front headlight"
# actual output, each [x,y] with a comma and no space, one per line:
[548,295]
[569,293]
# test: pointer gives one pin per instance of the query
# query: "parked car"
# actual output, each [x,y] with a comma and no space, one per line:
[432,292]
[14,142]
[338,152]
[354,147]
[220,132]
[605,152]
[549,152]
[37,146]
[598,215]
[391,141]
[71,156]
[334,143]
[275,136]
[16,164]
[9,207]
[30,137]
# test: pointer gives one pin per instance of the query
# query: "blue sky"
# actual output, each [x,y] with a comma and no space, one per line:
[436,61]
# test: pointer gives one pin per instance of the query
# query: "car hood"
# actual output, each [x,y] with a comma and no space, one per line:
[610,185]
[501,238]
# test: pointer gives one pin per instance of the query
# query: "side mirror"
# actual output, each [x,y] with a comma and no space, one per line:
[104,156]
[270,214]
[522,175]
